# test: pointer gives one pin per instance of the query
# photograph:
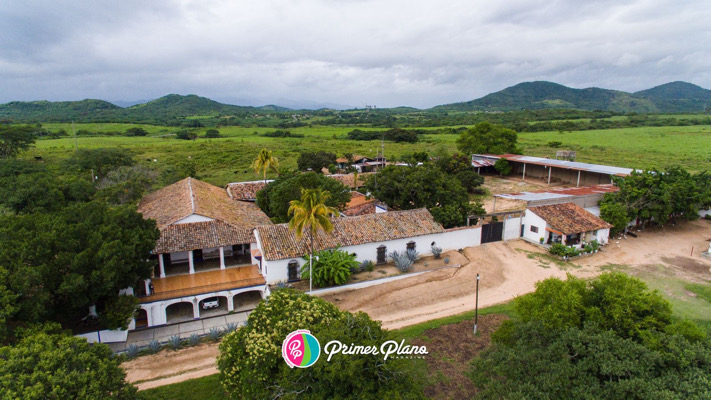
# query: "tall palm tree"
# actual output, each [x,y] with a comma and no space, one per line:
[311,214]
[265,161]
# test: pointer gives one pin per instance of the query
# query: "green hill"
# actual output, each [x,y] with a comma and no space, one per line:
[60,111]
[678,97]
[541,95]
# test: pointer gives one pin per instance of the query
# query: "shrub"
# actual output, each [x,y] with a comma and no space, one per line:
[194,339]
[446,260]
[153,346]
[281,285]
[333,267]
[132,351]
[251,365]
[367,266]
[212,133]
[175,342]
[437,251]
[595,245]
[562,250]
[231,327]
[412,254]
[401,260]
[214,334]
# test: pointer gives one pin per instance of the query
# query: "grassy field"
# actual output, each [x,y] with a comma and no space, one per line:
[228,159]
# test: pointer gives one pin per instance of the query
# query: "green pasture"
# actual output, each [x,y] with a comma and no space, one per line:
[228,159]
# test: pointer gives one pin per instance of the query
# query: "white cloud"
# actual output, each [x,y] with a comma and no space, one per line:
[389,53]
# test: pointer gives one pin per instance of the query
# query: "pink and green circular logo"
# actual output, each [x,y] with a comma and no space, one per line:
[300,349]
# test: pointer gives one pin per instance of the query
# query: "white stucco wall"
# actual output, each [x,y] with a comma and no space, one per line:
[603,236]
[531,219]
[105,336]
[277,270]
[512,228]
[703,213]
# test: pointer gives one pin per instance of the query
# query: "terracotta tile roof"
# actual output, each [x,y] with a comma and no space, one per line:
[349,179]
[569,218]
[278,242]
[360,204]
[201,235]
[191,196]
[233,220]
[245,190]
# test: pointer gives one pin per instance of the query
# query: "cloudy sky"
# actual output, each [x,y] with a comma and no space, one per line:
[345,52]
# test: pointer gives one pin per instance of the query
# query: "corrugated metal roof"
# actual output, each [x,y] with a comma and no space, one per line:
[574,165]
[557,193]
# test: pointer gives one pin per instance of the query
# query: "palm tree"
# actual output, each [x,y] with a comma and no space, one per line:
[265,161]
[311,214]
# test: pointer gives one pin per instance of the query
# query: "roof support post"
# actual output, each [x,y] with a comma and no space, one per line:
[147,282]
[161,265]
[222,257]
[191,262]
[578,184]
[550,169]
[524,172]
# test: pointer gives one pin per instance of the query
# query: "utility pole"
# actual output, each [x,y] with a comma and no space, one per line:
[476,308]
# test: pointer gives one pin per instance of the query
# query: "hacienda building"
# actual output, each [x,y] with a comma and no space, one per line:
[204,254]
[565,223]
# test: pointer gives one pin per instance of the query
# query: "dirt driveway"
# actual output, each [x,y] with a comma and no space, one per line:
[507,270]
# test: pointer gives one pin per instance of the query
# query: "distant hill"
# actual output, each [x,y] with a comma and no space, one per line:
[678,97]
[172,107]
[672,97]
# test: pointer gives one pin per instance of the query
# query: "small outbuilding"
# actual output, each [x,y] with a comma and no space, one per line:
[565,223]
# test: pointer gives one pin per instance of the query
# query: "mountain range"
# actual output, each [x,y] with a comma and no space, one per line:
[668,98]
[672,97]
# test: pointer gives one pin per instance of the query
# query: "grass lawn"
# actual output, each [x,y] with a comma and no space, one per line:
[228,159]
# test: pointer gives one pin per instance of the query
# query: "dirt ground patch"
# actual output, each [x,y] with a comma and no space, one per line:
[172,366]
[451,348]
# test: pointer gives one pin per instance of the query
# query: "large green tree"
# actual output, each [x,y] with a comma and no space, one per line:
[274,199]
[48,364]
[101,160]
[487,138]
[15,138]
[608,338]
[251,366]
[62,263]
[315,160]
[406,188]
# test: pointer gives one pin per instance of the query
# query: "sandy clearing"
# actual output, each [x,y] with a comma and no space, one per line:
[506,272]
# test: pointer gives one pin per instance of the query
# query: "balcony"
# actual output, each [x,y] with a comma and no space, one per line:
[209,281]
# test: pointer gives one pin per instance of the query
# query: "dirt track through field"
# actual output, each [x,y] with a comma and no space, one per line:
[507,270]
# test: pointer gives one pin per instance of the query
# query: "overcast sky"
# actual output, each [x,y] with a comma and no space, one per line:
[346,52]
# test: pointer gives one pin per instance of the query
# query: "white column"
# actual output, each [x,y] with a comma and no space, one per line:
[524,172]
[191,263]
[578,184]
[147,282]
[162,266]
[222,257]
[196,309]
[149,317]
[230,303]
[550,169]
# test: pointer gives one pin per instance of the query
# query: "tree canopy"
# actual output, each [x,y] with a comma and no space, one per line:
[49,364]
[61,263]
[274,199]
[101,160]
[405,188]
[251,365]
[315,160]
[487,138]
[14,139]
[609,338]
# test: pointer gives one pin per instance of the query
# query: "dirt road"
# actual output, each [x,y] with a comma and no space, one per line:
[507,270]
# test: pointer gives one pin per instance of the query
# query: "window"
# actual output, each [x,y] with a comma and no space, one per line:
[534,229]
[411,245]
[293,270]
[382,251]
